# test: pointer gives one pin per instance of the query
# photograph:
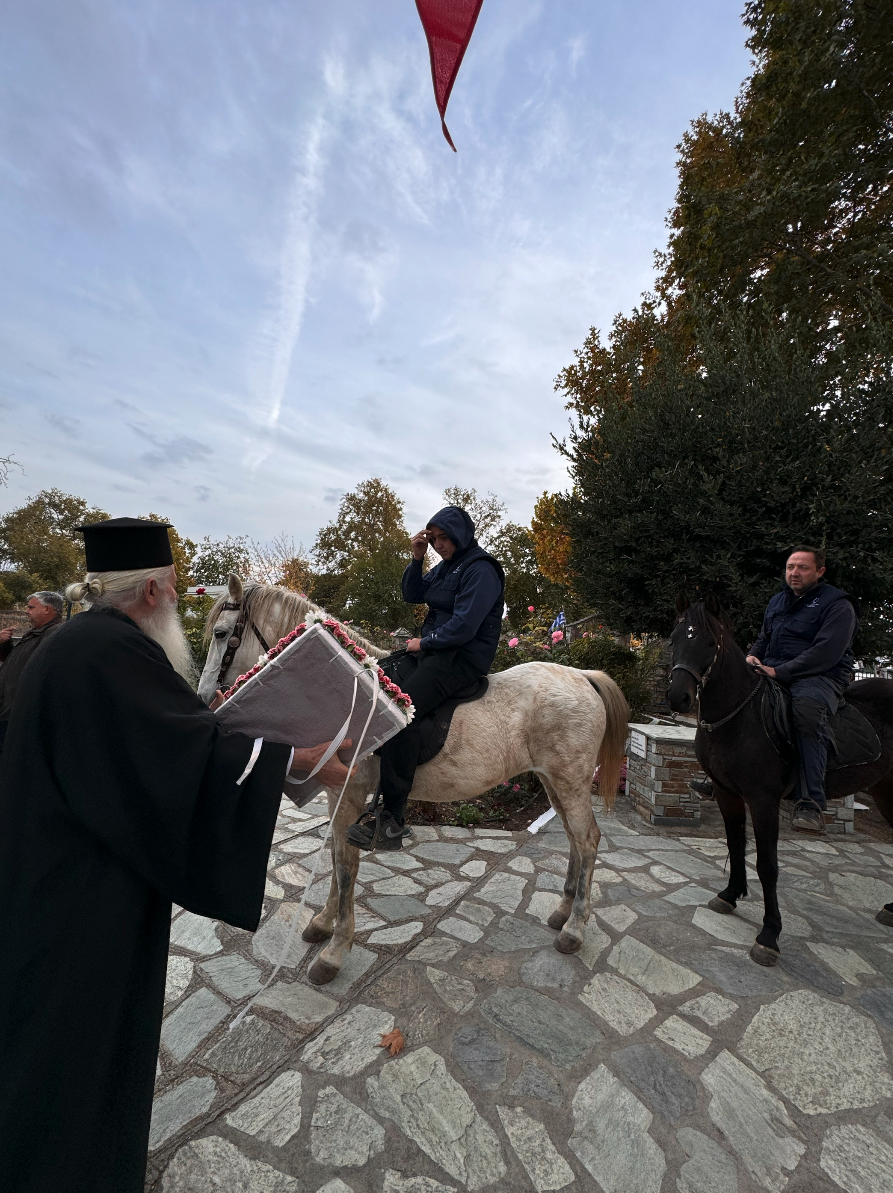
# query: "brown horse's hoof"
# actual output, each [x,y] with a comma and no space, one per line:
[885,916]
[557,920]
[314,933]
[565,943]
[720,905]
[764,956]
[322,972]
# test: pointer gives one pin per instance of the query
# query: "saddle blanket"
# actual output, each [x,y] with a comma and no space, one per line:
[852,740]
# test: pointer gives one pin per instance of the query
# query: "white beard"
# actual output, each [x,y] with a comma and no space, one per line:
[163,626]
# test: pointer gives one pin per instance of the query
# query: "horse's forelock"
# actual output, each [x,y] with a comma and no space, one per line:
[699,616]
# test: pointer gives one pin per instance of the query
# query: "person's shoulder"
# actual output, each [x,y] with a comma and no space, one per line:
[94,630]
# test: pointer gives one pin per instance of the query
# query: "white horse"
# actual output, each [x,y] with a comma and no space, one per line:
[557,721]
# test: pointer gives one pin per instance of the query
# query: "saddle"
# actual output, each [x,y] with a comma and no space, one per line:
[852,740]
[434,726]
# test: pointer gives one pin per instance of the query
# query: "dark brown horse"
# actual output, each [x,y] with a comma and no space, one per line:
[711,675]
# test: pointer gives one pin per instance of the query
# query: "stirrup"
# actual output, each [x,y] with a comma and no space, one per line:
[823,831]
[374,812]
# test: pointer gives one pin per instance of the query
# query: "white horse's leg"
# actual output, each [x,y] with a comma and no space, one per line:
[336,920]
[572,913]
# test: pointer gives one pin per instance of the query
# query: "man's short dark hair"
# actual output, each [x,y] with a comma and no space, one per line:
[816,552]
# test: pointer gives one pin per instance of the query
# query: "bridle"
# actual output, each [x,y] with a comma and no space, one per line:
[235,640]
[701,683]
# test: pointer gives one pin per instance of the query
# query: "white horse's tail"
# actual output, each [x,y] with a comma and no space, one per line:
[613,747]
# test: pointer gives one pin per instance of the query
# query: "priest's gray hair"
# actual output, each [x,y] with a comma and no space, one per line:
[115,588]
[125,591]
[52,600]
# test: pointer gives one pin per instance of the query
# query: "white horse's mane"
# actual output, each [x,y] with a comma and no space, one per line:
[276,611]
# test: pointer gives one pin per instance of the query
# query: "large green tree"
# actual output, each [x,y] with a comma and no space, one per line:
[39,544]
[786,201]
[703,474]
[360,557]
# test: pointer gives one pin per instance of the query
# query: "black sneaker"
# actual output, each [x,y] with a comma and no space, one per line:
[378,830]
[807,817]
[703,788]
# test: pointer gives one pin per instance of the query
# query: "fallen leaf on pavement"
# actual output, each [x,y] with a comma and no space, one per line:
[393,1041]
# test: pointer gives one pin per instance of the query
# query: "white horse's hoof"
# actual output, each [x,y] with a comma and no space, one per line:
[314,933]
[565,943]
[558,919]
[322,972]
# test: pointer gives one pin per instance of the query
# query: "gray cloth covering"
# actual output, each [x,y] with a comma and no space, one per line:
[303,696]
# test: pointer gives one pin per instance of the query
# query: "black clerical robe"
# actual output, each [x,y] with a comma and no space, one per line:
[118,795]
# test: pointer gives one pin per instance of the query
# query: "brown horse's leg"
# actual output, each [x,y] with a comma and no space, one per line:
[583,834]
[340,919]
[882,794]
[764,816]
[734,817]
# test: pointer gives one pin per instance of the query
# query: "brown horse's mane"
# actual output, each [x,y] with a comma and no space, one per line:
[703,619]
[284,608]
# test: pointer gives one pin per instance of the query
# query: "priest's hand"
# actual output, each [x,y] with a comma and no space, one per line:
[333,774]
[217,701]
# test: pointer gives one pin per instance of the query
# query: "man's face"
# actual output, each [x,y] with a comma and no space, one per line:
[39,614]
[444,546]
[801,572]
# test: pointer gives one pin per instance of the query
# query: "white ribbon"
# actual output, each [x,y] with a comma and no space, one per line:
[296,918]
[336,741]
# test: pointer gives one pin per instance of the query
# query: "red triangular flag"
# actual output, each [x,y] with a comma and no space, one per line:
[448,26]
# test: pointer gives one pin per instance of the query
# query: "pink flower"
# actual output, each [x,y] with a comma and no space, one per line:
[199,592]
[557,636]
[516,787]
[513,642]
[530,608]
[505,783]
[547,648]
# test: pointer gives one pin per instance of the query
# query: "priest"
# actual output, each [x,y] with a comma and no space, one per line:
[120,794]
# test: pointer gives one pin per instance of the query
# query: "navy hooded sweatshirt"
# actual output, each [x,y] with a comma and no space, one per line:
[464,594]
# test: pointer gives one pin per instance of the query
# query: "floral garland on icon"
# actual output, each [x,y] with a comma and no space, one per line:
[338,632]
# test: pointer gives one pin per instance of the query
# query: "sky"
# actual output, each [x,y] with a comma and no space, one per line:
[243,271]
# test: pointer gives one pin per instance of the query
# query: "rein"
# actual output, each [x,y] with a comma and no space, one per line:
[235,641]
[701,683]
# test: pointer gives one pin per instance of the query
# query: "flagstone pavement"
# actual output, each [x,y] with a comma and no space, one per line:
[659,1059]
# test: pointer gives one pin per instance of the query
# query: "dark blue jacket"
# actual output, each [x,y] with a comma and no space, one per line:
[808,635]
[464,594]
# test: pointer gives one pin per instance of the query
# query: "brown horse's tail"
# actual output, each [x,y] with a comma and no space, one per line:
[613,747]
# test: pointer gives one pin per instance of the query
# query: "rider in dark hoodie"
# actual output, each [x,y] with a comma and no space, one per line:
[457,644]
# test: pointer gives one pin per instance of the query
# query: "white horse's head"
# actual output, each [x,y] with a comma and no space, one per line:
[240,623]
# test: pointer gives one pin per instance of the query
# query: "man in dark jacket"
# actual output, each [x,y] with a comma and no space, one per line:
[45,615]
[806,644]
[457,644]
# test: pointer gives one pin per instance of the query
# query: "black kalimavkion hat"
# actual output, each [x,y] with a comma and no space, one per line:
[126,544]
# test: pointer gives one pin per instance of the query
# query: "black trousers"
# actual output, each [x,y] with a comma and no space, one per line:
[429,677]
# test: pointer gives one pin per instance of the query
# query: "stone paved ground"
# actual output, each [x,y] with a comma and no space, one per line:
[660,1059]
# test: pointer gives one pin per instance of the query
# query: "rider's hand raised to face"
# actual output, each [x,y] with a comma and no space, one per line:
[420,544]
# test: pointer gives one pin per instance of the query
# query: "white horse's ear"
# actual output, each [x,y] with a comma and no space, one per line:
[234,583]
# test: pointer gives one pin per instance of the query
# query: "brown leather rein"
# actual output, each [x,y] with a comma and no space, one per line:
[244,621]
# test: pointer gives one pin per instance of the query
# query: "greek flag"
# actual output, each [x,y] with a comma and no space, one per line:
[558,623]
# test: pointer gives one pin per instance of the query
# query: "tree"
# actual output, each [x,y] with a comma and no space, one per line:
[786,201]
[214,559]
[487,512]
[281,562]
[370,515]
[551,542]
[39,541]
[704,477]
[361,556]
[7,463]
[525,585]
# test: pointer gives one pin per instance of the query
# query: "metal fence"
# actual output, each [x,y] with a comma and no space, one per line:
[870,671]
